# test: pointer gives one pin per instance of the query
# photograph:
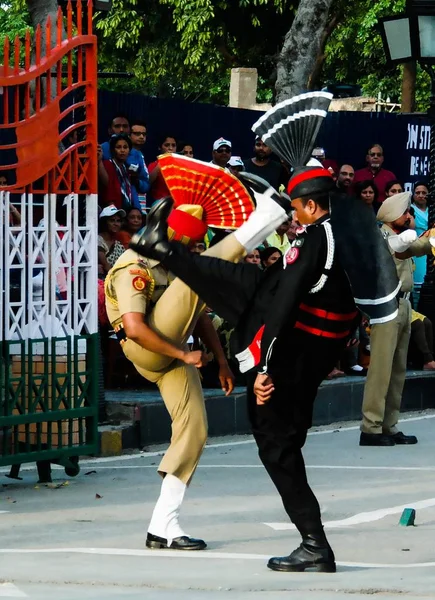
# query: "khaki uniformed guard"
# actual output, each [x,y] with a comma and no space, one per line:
[389,341]
[154,318]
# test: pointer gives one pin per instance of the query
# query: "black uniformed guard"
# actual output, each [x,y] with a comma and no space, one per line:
[291,324]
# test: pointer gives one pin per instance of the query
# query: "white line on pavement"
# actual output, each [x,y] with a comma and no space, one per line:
[364,517]
[9,590]
[208,554]
[136,456]
[342,467]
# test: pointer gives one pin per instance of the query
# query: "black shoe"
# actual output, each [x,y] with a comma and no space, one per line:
[258,184]
[321,559]
[180,543]
[401,438]
[153,242]
[376,439]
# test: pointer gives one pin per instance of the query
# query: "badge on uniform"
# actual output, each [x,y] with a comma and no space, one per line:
[139,283]
[298,242]
[292,255]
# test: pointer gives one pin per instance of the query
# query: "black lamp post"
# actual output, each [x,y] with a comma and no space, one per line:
[411,36]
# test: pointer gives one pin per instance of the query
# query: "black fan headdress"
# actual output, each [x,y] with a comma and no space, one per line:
[290,128]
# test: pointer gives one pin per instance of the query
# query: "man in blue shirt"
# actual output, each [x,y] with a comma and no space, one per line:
[135,162]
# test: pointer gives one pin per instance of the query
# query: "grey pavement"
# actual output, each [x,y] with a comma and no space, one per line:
[85,540]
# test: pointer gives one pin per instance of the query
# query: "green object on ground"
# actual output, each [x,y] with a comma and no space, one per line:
[408,517]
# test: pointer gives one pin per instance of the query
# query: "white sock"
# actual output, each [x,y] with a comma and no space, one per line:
[357,368]
[262,222]
[164,520]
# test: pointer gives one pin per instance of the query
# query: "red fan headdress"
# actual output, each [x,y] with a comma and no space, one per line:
[222,201]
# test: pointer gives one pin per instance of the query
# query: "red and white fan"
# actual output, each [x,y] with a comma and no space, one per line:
[225,201]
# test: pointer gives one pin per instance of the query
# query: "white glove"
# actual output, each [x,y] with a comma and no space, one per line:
[401,242]
[432,241]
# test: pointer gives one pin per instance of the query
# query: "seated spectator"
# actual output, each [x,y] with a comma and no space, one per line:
[185,148]
[138,135]
[422,340]
[374,171]
[264,166]
[421,218]
[236,165]
[269,256]
[221,152]
[280,239]
[113,177]
[367,192]
[159,189]
[253,257]
[135,162]
[327,163]
[345,179]
[109,248]
[134,221]
[393,187]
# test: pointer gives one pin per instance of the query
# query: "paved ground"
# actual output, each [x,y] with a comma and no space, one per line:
[85,540]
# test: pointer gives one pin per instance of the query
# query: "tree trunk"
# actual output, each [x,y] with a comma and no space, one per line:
[39,11]
[408,86]
[302,45]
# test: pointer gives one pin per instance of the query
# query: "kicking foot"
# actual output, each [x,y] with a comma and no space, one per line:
[153,242]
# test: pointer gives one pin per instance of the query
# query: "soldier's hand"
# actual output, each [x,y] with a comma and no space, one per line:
[226,378]
[197,358]
[263,388]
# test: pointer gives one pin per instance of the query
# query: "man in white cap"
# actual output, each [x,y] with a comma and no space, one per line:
[389,341]
[221,152]
[236,165]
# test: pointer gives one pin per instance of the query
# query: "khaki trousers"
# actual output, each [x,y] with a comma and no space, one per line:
[174,317]
[387,371]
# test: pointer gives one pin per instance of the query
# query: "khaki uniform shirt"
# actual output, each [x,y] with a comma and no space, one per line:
[405,268]
[134,284]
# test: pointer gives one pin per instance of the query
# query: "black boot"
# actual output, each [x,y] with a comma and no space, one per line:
[153,242]
[314,553]
[258,184]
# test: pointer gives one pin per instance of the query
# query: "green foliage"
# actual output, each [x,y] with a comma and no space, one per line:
[354,51]
[186,47]
[14,21]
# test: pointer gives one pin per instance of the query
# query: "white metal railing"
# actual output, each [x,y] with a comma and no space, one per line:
[48,272]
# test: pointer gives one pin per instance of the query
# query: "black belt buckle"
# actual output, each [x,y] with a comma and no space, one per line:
[120,334]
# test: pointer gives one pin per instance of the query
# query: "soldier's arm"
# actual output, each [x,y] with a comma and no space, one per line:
[138,331]
[206,331]
[420,247]
[130,287]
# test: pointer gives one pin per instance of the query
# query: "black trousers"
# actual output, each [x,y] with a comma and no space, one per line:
[280,426]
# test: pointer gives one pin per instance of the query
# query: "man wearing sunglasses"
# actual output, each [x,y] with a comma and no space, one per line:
[375,171]
[221,152]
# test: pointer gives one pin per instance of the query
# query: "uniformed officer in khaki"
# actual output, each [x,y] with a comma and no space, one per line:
[389,341]
[154,318]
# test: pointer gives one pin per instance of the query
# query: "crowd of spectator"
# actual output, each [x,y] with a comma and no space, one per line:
[128,187]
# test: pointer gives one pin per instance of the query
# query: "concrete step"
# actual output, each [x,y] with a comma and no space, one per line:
[138,418]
